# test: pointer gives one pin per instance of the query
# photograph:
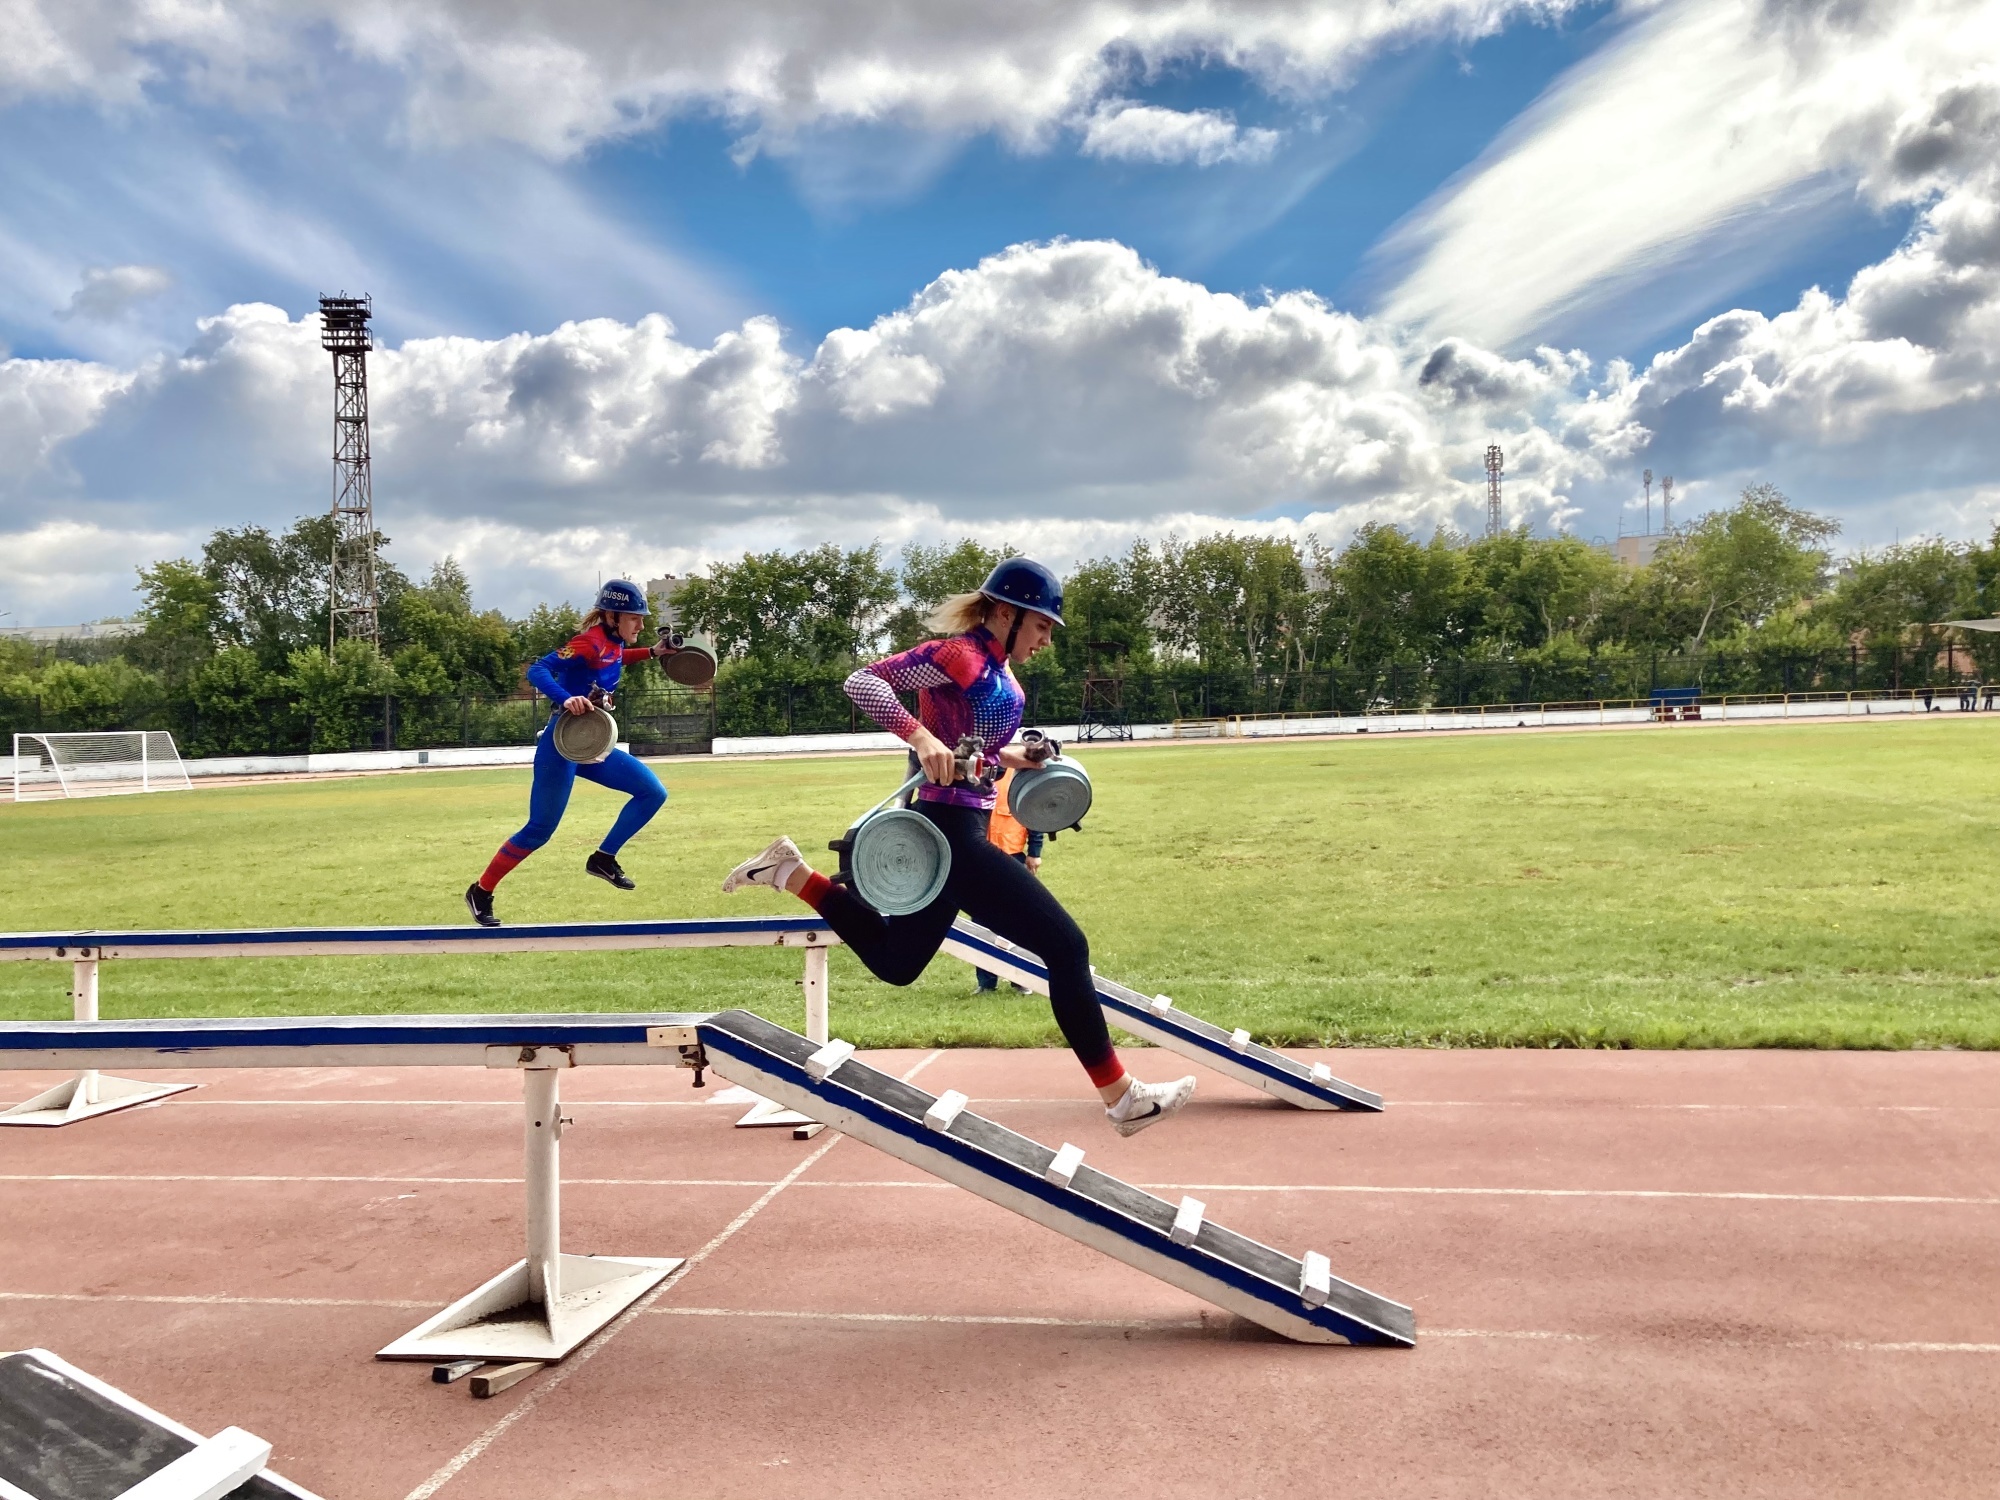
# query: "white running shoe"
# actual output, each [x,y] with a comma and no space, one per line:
[1144,1104]
[772,867]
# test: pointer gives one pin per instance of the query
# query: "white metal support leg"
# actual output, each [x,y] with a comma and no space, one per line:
[543,1306]
[90,1092]
[770,1112]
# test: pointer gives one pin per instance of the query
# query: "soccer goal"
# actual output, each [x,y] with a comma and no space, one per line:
[47,766]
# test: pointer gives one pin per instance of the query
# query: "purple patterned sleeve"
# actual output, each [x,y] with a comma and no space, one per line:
[873,688]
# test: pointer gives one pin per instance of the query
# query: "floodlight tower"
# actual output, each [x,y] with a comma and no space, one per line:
[1495,465]
[1667,503]
[1647,480]
[353,603]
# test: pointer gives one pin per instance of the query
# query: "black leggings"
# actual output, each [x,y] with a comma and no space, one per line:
[991,888]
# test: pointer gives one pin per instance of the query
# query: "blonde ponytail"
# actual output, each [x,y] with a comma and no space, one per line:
[959,613]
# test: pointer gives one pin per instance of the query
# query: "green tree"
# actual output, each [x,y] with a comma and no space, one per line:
[340,694]
[1895,602]
[474,652]
[178,607]
[1736,567]
[1392,600]
[1528,590]
[1108,599]
[546,628]
[1230,601]
[814,607]
[238,707]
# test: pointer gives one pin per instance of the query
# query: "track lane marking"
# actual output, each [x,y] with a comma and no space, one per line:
[1936,1199]
[553,1379]
[200,1299]
[1010,1320]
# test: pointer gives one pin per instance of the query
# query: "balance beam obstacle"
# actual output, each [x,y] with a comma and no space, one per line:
[1155,1018]
[567,1298]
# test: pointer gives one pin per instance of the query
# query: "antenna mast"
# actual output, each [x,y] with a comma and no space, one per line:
[353,603]
[1647,480]
[1667,503]
[1495,466]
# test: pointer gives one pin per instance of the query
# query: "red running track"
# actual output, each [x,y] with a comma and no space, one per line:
[1700,1273]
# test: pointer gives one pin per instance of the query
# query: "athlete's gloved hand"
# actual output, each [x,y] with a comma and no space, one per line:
[578,705]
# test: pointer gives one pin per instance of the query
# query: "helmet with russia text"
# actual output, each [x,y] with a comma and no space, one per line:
[624,597]
[1023,581]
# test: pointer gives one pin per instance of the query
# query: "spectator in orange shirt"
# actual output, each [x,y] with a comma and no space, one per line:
[1007,835]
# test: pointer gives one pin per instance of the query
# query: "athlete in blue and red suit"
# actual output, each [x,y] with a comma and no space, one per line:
[964,683]
[594,658]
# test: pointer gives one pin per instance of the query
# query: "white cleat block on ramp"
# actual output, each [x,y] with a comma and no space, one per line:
[1315,1279]
[1239,1039]
[1187,1221]
[829,1057]
[1162,1004]
[947,1108]
[1062,1171]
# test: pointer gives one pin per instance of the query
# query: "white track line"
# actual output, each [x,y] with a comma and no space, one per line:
[554,1379]
[1165,1187]
[203,1300]
[1508,1192]
[981,1320]
[1396,1103]
[995,1320]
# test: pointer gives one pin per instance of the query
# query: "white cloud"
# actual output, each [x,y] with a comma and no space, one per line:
[68,572]
[1122,130]
[1062,396]
[1703,114]
[557,77]
[109,292]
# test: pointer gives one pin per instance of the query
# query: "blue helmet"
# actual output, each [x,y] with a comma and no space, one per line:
[624,596]
[1023,581]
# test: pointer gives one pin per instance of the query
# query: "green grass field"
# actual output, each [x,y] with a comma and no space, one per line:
[1816,886]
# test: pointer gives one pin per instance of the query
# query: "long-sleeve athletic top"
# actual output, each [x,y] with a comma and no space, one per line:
[592,659]
[963,686]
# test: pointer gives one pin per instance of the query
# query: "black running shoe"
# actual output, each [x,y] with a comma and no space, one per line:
[479,901]
[604,867]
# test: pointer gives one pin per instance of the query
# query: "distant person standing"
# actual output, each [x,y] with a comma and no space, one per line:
[1005,832]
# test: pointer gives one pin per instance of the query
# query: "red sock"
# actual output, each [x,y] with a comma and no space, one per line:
[815,889]
[504,860]
[1106,1073]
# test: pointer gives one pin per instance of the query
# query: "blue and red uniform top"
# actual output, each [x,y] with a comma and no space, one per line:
[963,686]
[595,658]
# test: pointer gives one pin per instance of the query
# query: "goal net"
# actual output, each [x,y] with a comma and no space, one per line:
[95,765]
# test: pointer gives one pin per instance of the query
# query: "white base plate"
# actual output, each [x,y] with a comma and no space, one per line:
[499,1322]
[63,1104]
[770,1112]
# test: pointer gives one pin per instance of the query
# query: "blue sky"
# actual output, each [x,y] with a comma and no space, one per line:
[1456,183]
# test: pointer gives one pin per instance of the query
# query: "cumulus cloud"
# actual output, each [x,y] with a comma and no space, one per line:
[1121,130]
[68,572]
[557,77]
[1066,387]
[1065,396]
[1703,114]
[109,292]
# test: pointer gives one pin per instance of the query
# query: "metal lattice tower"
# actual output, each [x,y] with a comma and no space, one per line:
[1495,466]
[1667,503]
[353,604]
[1103,713]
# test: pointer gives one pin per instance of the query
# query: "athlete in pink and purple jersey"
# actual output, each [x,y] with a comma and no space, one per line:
[965,685]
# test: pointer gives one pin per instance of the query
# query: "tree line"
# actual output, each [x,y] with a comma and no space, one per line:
[232,652]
